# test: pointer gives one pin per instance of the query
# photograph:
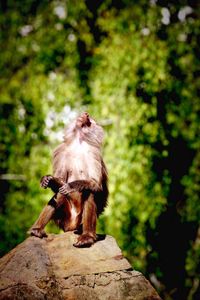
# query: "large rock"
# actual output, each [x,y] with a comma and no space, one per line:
[52,268]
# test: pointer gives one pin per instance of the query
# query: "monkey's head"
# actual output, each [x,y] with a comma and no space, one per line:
[83,120]
[85,128]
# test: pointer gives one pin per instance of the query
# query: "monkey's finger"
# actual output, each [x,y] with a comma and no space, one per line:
[63,190]
[45,182]
[44,185]
[66,191]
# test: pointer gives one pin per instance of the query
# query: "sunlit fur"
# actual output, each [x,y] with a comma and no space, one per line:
[79,156]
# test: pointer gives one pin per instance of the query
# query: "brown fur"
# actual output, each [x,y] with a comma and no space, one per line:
[79,181]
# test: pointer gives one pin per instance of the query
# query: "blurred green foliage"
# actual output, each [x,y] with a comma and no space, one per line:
[134,66]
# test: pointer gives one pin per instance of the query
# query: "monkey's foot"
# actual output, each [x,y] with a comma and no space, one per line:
[45,180]
[84,241]
[37,232]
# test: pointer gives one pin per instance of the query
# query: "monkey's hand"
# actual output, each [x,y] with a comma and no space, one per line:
[45,181]
[65,189]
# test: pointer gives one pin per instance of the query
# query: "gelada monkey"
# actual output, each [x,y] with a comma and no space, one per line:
[79,182]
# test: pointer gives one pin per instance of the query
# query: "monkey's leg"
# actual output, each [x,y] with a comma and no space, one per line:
[45,216]
[38,227]
[52,182]
[89,219]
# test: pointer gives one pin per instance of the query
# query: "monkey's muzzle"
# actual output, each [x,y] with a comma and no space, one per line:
[83,120]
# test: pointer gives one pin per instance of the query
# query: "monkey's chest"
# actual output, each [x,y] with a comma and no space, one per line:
[77,162]
[81,162]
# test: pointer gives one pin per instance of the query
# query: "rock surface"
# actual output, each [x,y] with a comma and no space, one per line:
[52,268]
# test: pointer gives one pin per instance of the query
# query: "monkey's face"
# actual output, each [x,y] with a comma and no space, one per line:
[85,128]
[84,120]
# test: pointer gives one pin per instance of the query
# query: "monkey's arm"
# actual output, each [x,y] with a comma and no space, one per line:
[79,186]
[52,182]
